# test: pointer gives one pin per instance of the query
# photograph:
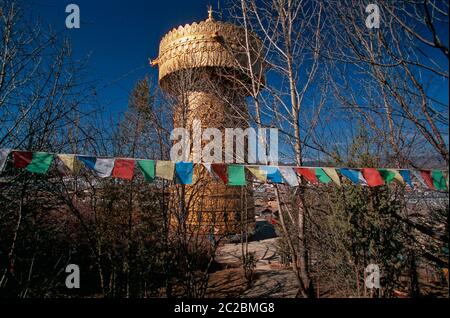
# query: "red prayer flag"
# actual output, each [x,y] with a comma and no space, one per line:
[426,175]
[373,177]
[22,158]
[123,168]
[220,170]
[309,174]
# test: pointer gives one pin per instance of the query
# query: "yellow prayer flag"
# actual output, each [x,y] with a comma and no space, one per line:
[260,175]
[71,162]
[165,169]
[398,177]
[331,172]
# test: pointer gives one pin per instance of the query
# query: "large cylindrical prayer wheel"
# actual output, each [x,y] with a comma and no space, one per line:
[207,67]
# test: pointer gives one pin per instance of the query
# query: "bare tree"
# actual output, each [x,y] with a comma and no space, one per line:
[396,68]
[41,94]
[292,97]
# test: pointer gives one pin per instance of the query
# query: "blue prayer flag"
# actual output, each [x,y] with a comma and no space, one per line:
[273,174]
[407,177]
[183,172]
[89,162]
[351,174]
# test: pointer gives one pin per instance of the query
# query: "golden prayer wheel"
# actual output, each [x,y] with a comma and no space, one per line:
[207,68]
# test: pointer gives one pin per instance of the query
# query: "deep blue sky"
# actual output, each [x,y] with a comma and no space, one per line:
[120,37]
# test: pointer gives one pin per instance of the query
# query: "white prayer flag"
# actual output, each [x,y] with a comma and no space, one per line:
[289,176]
[361,178]
[210,171]
[104,167]
[419,177]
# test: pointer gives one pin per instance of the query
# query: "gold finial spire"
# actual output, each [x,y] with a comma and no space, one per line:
[210,13]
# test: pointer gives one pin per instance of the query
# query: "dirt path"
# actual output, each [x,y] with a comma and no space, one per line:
[271,279]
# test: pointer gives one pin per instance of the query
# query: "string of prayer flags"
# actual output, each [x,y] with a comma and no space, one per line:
[230,174]
[123,169]
[406,176]
[71,162]
[438,180]
[289,176]
[322,176]
[103,167]
[308,174]
[353,175]
[208,168]
[40,162]
[215,177]
[22,158]
[372,177]
[4,153]
[165,169]
[331,172]
[236,175]
[184,172]
[398,177]
[419,178]
[221,171]
[273,174]
[260,175]
[426,176]
[361,178]
[89,162]
[387,175]
[147,168]
[390,175]
[36,162]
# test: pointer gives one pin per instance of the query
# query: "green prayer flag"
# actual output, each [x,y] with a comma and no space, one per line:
[40,162]
[148,169]
[387,175]
[322,176]
[236,175]
[438,180]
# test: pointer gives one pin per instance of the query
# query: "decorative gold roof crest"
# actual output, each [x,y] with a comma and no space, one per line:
[208,43]
[210,14]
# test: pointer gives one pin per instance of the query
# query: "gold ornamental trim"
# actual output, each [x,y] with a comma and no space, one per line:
[209,43]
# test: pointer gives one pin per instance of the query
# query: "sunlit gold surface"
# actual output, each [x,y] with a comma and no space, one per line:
[204,51]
